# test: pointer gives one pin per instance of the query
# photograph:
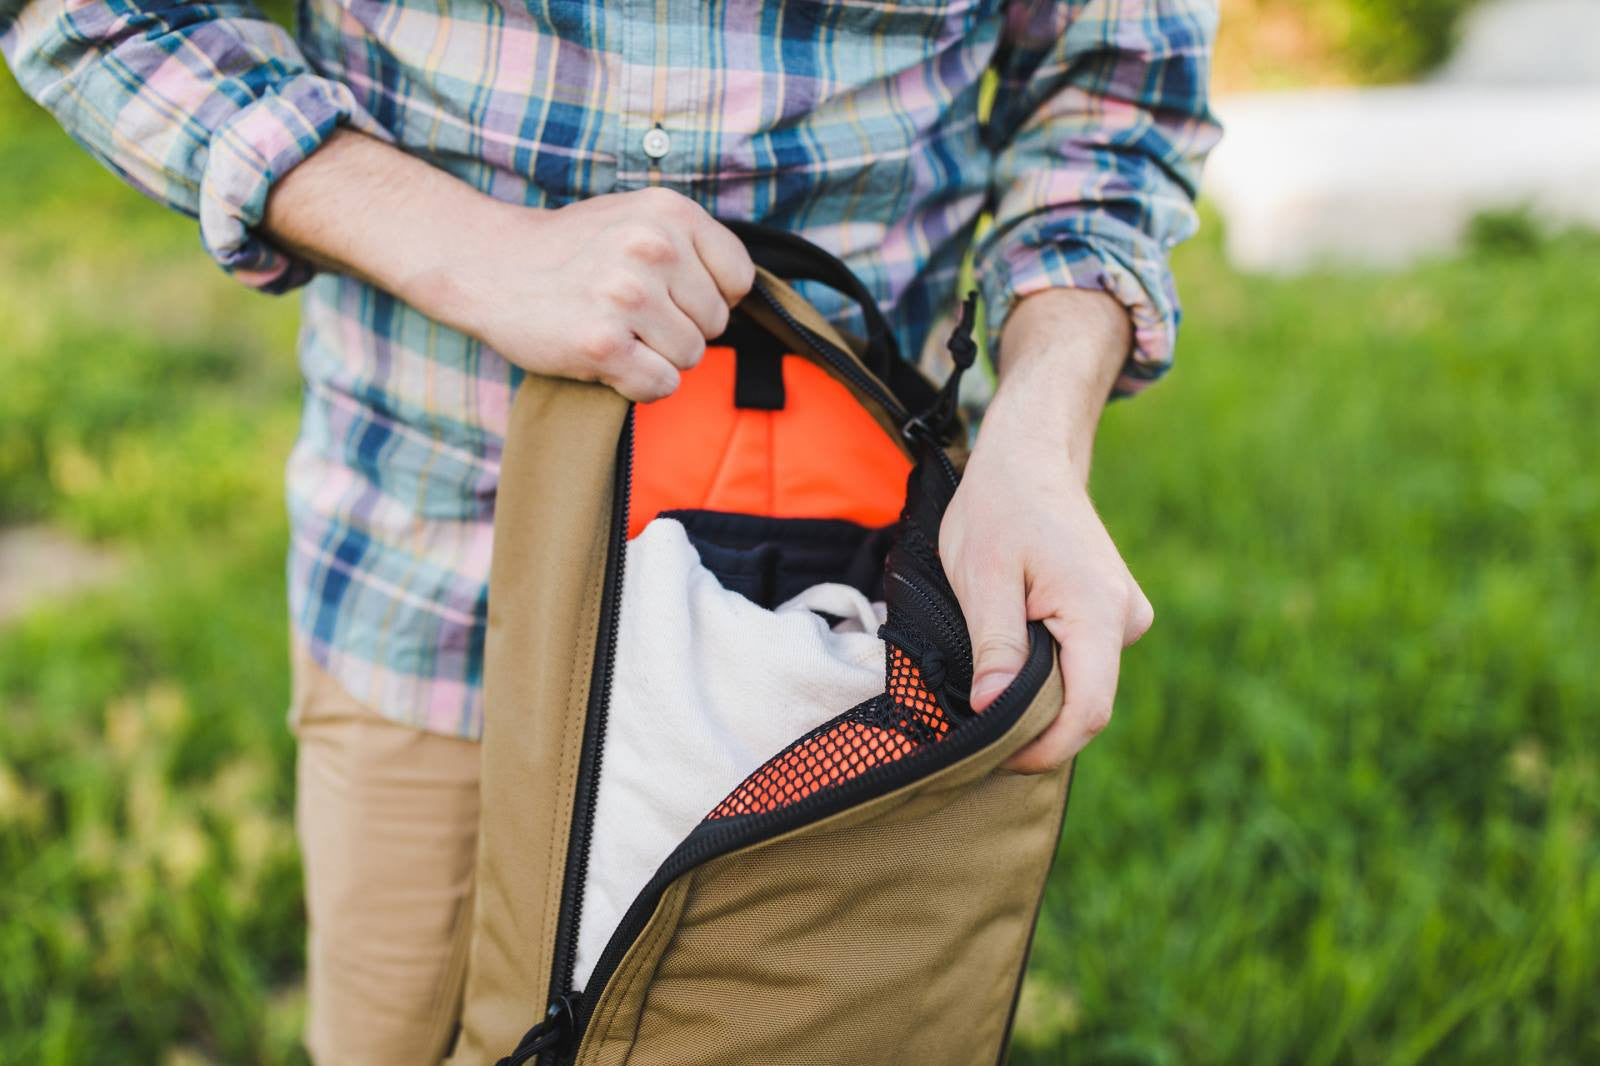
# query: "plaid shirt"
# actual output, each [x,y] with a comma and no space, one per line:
[853,122]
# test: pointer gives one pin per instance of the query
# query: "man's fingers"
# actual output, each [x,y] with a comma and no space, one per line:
[1091,661]
[661,326]
[1141,616]
[998,623]
[644,375]
[1048,750]
[725,259]
[1091,658]
[695,294]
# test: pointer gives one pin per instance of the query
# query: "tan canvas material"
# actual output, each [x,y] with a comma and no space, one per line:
[892,933]
[889,927]
[551,523]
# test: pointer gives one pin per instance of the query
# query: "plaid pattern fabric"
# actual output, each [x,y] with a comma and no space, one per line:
[850,121]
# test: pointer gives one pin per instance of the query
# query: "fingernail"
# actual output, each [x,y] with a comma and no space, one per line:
[986,686]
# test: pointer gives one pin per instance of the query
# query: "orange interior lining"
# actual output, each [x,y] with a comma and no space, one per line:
[821,456]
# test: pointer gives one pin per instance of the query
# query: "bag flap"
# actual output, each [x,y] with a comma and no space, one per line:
[928,895]
[552,517]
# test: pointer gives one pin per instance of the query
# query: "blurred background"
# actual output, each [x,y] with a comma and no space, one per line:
[1347,811]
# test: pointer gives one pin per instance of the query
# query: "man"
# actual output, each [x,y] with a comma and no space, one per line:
[476,190]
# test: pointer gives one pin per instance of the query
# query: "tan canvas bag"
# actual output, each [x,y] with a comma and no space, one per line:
[864,891]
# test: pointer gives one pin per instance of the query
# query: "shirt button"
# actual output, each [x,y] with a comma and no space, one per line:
[656,142]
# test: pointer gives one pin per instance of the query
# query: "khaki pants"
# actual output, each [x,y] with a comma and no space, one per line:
[387,818]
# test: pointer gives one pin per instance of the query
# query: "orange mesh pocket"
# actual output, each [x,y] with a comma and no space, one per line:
[884,729]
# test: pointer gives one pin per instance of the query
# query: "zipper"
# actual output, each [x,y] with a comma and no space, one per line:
[710,840]
[916,431]
[838,359]
[563,997]
[930,655]
[912,428]
[952,635]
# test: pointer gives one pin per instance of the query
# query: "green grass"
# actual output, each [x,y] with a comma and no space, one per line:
[149,886]
[1346,812]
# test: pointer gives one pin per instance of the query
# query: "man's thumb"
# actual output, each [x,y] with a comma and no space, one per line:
[997,620]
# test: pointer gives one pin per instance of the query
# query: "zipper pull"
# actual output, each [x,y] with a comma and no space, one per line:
[937,425]
[929,659]
[560,1022]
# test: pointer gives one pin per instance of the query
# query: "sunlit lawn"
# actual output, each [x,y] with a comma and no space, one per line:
[1346,812]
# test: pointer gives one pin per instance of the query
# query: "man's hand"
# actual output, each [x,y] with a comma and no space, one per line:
[624,289]
[1021,540]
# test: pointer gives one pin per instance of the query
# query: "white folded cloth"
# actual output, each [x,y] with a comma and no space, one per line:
[707,687]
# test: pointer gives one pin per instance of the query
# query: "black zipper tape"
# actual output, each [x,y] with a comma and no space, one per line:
[840,360]
[914,429]
[952,632]
[581,835]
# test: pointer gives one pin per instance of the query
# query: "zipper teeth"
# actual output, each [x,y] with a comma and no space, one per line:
[712,839]
[565,970]
[840,361]
[942,617]
[848,366]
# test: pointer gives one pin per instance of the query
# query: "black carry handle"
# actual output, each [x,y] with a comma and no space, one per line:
[794,258]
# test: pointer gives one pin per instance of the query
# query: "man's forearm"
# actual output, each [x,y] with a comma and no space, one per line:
[361,207]
[1060,355]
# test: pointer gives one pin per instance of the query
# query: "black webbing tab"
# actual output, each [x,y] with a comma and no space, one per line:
[758,379]
[757,363]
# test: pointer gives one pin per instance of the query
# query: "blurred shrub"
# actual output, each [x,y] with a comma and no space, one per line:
[279,11]
[1515,232]
[1283,43]
[1391,40]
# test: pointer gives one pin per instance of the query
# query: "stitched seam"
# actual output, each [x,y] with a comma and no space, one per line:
[667,932]
[580,680]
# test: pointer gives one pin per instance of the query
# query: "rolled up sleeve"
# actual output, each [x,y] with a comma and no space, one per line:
[1103,126]
[200,106]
